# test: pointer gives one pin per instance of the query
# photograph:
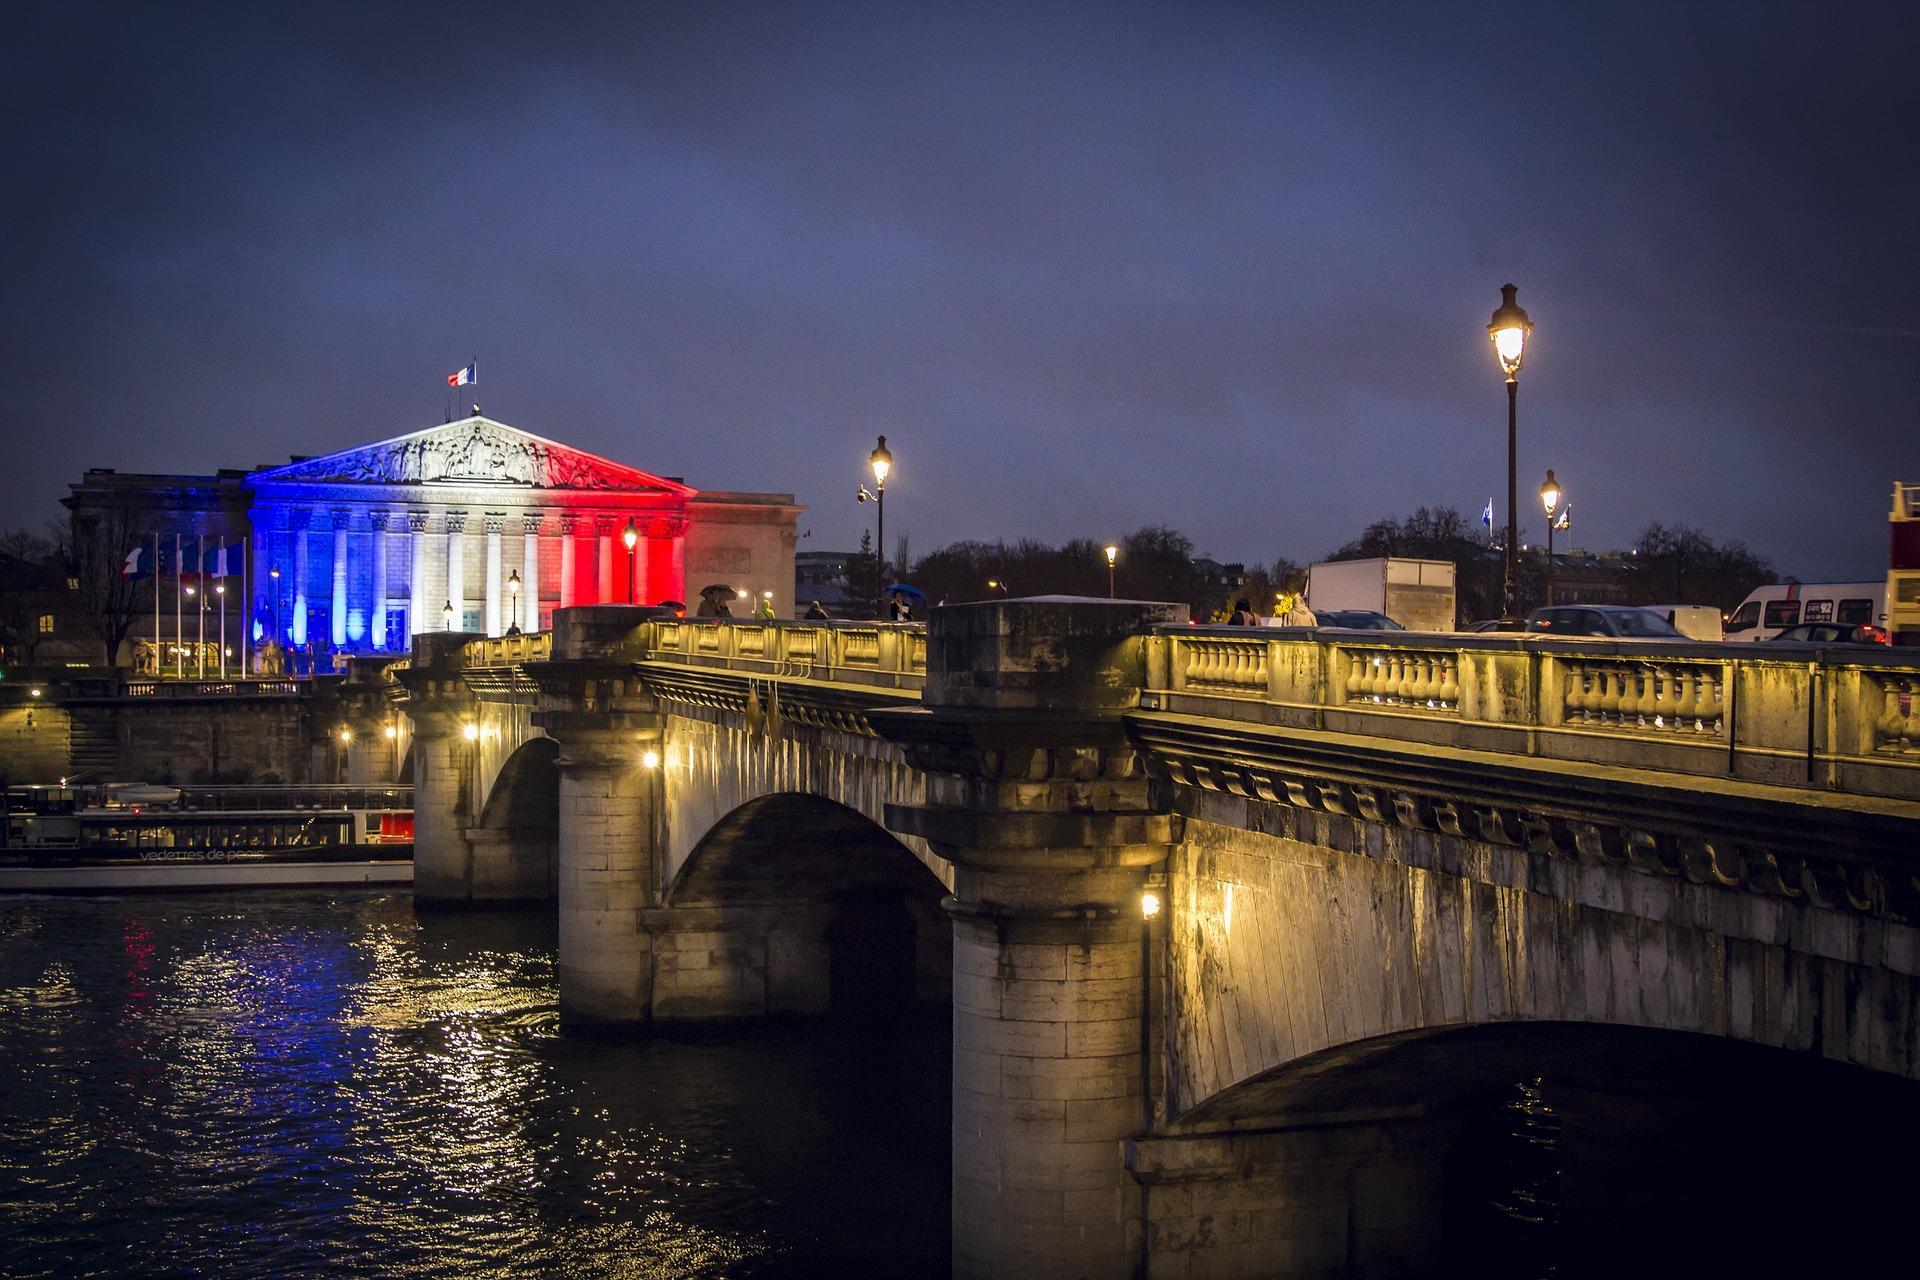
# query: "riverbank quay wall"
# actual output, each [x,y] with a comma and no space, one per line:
[1386,867]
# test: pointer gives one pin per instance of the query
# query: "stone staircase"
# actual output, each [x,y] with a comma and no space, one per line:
[93,745]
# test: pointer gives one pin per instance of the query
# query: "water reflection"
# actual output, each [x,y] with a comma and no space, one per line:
[323,1084]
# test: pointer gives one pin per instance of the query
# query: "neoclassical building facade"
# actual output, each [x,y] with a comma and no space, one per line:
[473,525]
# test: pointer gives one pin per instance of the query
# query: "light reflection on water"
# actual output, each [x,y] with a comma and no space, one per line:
[303,1083]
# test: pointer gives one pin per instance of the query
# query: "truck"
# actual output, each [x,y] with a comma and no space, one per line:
[1417,594]
[1903,565]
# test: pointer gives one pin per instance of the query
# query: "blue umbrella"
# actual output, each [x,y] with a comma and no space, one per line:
[912,593]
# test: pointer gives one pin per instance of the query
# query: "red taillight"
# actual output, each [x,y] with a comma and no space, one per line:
[1879,635]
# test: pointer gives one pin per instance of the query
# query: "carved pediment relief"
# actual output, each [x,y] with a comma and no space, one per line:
[477,451]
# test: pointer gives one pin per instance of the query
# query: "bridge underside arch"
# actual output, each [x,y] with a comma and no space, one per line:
[798,904]
[1536,1148]
[515,839]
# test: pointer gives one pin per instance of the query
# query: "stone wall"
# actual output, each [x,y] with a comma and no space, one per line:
[224,739]
[33,743]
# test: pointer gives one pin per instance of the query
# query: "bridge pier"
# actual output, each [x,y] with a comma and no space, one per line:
[1039,802]
[442,808]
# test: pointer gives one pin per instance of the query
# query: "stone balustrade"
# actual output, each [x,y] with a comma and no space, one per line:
[1845,720]
[888,655]
[1836,719]
[212,688]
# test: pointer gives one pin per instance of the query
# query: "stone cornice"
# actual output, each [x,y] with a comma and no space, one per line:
[1861,857]
[848,710]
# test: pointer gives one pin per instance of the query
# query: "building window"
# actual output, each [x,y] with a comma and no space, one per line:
[46,624]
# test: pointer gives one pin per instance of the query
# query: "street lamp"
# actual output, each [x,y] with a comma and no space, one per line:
[1509,329]
[1550,499]
[275,575]
[631,536]
[1113,554]
[882,460]
[513,602]
[446,615]
[220,589]
[996,584]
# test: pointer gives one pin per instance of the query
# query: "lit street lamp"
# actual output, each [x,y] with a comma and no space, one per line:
[1550,499]
[446,615]
[220,589]
[1509,329]
[275,575]
[631,536]
[882,461]
[996,584]
[513,602]
[1113,554]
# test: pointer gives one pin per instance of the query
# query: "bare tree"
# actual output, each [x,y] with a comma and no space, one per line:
[98,542]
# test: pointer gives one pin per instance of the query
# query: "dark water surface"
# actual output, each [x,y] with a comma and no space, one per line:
[324,1084]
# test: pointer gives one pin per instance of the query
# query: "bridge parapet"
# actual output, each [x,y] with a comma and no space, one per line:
[882,655]
[1832,719]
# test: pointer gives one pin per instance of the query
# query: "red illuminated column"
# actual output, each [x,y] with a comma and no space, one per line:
[569,563]
[604,528]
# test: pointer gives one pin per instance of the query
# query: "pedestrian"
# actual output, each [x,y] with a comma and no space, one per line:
[900,610]
[815,613]
[1243,614]
[764,610]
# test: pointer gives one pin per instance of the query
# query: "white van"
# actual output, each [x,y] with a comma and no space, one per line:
[1769,610]
[1694,621]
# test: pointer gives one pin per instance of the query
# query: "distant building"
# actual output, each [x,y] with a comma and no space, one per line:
[469,526]
[41,622]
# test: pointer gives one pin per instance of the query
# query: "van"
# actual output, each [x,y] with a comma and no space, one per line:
[1694,621]
[1769,610]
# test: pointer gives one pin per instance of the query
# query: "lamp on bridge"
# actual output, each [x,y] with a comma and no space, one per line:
[1550,499]
[1509,330]
[1113,554]
[881,460]
[996,584]
[446,615]
[513,602]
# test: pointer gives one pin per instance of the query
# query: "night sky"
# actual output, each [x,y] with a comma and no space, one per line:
[1088,267]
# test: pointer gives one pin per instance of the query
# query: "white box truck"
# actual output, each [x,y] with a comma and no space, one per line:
[1417,594]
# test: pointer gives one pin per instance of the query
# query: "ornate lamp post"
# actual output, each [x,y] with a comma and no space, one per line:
[220,589]
[446,615]
[1550,499]
[1509,329]
[882,461]
[631,536]
[513,602]
[274,574]
[1113,554]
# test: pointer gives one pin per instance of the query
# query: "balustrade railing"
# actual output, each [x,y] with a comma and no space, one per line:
[210,688]
[1847,719]
[892,655]
[509,651]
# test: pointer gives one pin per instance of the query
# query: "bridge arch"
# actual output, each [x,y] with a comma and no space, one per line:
[814,904]
[1531,1148]
[517,831]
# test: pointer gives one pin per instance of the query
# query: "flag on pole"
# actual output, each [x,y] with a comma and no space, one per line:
[145,562]
[222,562]
[1486,517]
[1566,518]
[466,377]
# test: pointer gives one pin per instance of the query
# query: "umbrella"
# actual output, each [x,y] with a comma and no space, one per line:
[718,589]
[678,608]
[912,593]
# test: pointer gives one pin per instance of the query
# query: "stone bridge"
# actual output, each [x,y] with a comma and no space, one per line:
[1228,919]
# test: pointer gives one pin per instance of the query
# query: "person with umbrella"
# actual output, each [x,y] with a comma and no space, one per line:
[713,601]
[901,599]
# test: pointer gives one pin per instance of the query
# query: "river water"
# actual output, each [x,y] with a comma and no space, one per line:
[326,1084]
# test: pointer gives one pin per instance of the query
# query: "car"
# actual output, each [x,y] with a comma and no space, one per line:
[1355,619]
[1609,620]
[1496,624]
[1832,633]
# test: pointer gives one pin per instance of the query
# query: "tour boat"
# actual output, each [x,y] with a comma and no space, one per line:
[140,837]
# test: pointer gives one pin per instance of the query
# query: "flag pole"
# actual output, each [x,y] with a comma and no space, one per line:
[179,640]
[200,614]
[158,669]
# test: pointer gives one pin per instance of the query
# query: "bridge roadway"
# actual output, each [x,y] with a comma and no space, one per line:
[1392,869]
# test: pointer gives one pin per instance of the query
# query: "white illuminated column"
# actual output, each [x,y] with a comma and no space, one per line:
[417,619]
[569,563]
[457,567]
[491,621]
[530,573]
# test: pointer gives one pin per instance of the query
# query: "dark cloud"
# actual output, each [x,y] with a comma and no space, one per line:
[1088,266]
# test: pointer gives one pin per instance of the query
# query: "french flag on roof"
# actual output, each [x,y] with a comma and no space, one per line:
[466,377]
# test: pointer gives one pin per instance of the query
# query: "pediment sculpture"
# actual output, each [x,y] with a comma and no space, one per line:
[476,452]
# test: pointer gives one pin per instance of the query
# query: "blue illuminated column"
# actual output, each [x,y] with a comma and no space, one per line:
[378,638]
[341,519]
[299,532]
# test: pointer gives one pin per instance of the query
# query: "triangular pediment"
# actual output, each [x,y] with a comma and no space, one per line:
[474,451]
